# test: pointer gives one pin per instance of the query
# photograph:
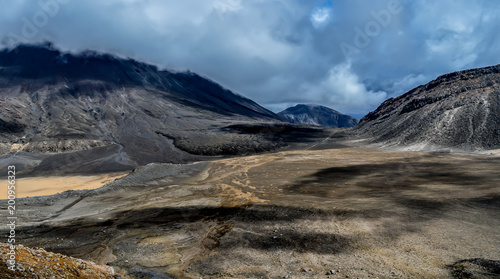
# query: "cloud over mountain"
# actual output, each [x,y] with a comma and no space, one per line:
[277,52]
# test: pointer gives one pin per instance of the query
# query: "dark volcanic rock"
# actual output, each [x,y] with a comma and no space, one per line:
[96,112]
[318,115]
[476,268]
[458,110]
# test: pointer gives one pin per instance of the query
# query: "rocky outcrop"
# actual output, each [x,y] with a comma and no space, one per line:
[38,263]
[460,110]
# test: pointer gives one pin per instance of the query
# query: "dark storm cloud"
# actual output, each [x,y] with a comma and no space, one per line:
[349,55]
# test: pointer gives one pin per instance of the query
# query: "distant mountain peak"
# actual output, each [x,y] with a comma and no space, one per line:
[317,115]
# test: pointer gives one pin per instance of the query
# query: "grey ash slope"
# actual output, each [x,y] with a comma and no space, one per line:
[95,112]
[51,67]
[317,115]
[460,110]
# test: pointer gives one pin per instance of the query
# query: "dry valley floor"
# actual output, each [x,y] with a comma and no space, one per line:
[334,213]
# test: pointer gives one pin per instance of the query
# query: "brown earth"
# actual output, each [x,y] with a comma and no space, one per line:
[38,263]
[359,212]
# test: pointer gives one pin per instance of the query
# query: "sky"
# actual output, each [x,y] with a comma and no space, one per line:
[349,55]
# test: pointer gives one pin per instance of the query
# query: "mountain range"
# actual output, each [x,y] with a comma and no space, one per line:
[92,112]
[316,198]
[97,112]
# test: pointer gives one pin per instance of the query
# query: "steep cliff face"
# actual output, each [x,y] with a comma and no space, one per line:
[457,110]
[317,115]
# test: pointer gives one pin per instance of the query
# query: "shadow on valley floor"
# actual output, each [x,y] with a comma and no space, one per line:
[379,180]
[86,234]
[475,268]
[257,219]
[320,243]
[422,191]
[266,228]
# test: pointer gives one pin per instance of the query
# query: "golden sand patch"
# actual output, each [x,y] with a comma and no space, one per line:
[42,186]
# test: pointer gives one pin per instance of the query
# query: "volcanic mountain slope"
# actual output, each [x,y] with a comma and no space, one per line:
[96,112]
[317,115]
[460,110]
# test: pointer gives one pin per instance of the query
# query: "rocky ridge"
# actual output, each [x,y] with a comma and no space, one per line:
[459,110]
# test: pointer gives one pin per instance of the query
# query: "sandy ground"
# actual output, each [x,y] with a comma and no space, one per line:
[357,212]
[42,186]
